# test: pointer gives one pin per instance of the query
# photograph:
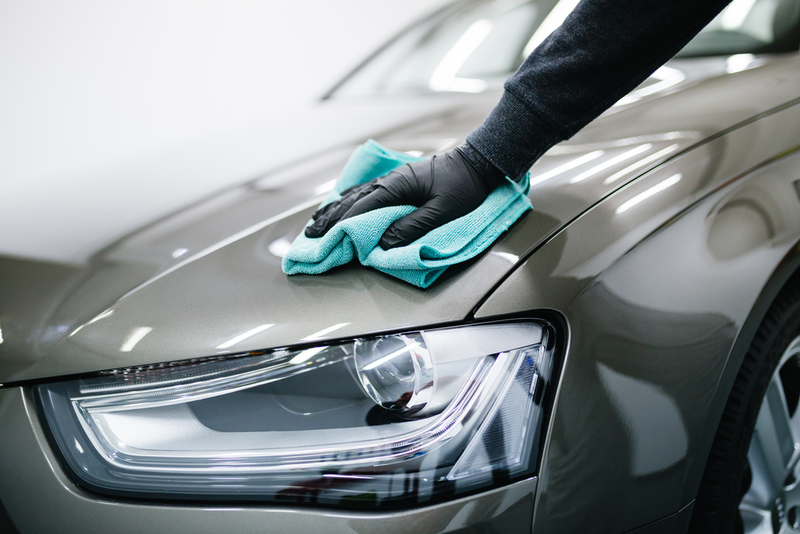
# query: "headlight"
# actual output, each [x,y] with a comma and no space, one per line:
[386,421]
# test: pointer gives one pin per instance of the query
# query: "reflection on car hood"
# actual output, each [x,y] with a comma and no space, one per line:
[204,278]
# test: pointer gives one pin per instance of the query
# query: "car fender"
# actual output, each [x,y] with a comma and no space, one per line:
[662,285]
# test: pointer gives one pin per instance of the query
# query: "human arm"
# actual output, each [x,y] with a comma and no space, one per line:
[603,49]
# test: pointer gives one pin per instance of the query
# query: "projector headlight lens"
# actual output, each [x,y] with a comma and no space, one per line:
[393,420]
[395,371]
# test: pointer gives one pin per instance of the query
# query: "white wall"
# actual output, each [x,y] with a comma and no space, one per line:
[87,83]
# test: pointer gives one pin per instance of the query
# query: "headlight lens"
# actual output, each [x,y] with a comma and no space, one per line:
[386,421]
[396,371]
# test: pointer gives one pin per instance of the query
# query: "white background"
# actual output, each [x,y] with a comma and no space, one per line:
[90,83]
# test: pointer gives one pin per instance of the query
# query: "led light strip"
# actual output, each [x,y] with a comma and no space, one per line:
[180,394]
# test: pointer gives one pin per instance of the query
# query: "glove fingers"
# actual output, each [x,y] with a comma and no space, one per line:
[330,214]
[416,224]
[381,197]
[443,188]
[326,209]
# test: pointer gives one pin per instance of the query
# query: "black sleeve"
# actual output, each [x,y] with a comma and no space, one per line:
[603,50]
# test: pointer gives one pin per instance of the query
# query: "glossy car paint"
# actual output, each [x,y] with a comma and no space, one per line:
[655,330]
[656,302]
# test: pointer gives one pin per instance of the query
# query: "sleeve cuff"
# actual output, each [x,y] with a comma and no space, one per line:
[513,137]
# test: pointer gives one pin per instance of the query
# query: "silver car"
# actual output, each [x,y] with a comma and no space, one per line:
[626,358]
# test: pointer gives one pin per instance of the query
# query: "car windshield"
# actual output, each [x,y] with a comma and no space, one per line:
[471,46]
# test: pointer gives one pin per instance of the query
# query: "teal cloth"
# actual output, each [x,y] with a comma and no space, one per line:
[424,260]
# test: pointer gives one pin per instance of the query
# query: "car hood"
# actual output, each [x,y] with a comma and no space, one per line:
[147,264]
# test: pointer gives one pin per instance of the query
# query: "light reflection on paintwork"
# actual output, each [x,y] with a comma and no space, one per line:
[246,335]
[324,332]
[279,247]
[511,258]
[103,315]
[667,77]
[738,62]
[611,162]
[581,147]
[134,337]
[641,163]
[644,195]
[568,166]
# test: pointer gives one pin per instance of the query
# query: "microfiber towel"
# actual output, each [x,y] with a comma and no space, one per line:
[424,260]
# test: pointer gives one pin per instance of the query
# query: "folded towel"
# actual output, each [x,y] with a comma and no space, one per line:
[424,260]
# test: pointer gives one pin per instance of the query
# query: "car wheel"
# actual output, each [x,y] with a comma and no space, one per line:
[750,483]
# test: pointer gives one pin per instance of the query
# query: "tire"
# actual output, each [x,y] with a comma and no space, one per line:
[750,482]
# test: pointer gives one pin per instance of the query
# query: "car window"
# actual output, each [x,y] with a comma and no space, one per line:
[472,46]
[748,26]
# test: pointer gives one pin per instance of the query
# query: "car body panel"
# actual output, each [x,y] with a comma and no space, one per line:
[227,276]
[653,320]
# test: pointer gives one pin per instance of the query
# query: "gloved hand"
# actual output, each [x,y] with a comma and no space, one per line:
[443,188]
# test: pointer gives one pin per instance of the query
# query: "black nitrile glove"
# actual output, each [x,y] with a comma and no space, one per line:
[442,188]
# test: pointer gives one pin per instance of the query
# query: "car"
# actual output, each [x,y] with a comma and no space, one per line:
[625,358]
